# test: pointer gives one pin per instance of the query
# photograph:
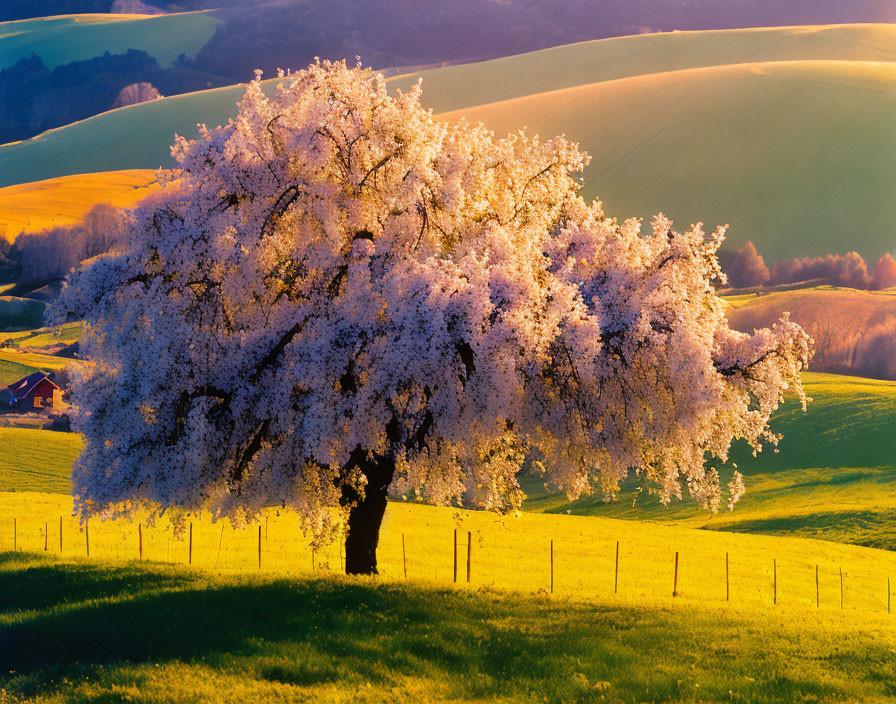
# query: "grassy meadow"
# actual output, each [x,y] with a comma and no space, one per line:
[67,38]
[92,631]
[26,352]
[833,477]
[730,135]
[37,460]
[39,338]
[31,207]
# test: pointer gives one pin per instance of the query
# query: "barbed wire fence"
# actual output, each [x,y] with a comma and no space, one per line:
[474,558]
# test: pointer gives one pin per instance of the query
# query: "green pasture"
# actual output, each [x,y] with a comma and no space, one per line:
[37,460]
[833,477]
[86,631]
[67,38]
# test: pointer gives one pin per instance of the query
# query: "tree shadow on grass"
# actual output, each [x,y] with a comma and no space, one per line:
[83,617]
[30,581]
[874,529]
[98,620]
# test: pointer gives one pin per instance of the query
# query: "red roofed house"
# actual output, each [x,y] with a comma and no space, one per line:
[34,391]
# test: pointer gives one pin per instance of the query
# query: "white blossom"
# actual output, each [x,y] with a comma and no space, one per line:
[336,272]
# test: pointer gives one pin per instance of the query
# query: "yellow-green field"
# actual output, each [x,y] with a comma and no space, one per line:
[544,617]
[74,630]
[834,476]
[512,553]
[37,460]
[30,207]
[43,337]
[723,138]
[66,38]
[17,363]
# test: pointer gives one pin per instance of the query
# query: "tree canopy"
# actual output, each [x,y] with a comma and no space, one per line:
[336,293]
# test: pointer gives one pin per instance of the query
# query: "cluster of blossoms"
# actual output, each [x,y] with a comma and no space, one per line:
[335,274]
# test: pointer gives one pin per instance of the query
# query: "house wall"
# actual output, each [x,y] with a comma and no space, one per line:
[44,390]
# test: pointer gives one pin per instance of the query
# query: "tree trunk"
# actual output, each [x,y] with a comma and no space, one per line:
[366,515]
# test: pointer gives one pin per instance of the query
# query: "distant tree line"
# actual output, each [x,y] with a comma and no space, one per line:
[34,99]
[46,256]
[384,33]
[746,268]
[290,33]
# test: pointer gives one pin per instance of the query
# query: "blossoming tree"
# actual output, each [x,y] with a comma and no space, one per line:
[336,294]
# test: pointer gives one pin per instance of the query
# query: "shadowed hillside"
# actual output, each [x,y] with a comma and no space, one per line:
[721,143]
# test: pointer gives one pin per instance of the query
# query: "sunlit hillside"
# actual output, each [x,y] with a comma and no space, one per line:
[723,138]
[455,87]
[789,154]
[66,38]
[29,207]
[833,476]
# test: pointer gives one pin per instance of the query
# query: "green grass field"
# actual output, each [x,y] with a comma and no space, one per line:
[88,631]
[66,38]
[834,476]
[43,337]
[37,460]
[721,139]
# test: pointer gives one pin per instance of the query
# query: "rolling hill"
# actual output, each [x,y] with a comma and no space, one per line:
[833,477]
[723,138]
[790,154]
[854,331]
[63,39]
[65,200]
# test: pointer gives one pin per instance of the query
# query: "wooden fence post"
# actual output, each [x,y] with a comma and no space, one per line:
[552,565]
[259,546]
[87,535]
[455,555]
[616,572]
[60,535]
[675,585]
[15,534]
[817,590]
[46,534]
[220,542]
[469,550]
[404,557]
[190,546]
[775,578]
[140,538]
[841,588]
[727,582]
